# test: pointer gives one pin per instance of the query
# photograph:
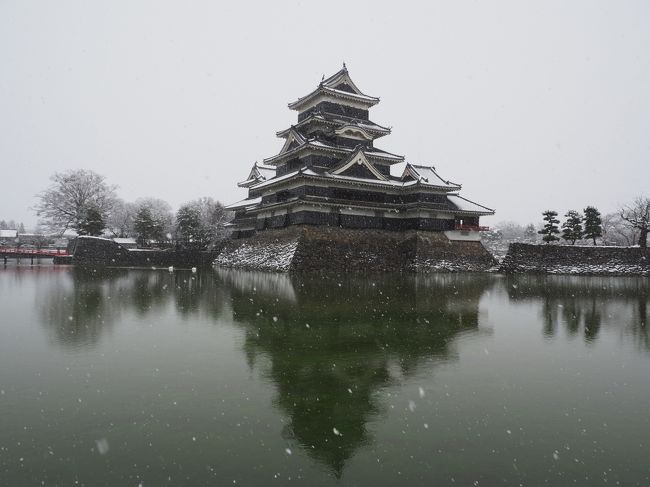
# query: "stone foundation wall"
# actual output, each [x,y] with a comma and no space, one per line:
[332,249]
[271,250]
[569,259]
[92,251]
[340,250]
[435,253]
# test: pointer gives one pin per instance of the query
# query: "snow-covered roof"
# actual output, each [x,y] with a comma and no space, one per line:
[359,158]
[342,77]
[395,183]
[465,205]
[308,143]
[258,173]
[383,154]
[8,233]
[125,240]
[269,182]
[266,171]
[427,175]
[331,86]
[319,144]
[247,203]
[90,237]
[336,120]
[368,125]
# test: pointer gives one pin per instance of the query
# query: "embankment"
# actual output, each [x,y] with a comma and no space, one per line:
[94,251]
[583,260]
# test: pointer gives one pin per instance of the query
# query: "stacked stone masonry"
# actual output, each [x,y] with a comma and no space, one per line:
[329,249]
[568,259]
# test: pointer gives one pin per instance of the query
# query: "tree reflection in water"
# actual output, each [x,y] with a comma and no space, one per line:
[584,304]
[85,305]
[330,346]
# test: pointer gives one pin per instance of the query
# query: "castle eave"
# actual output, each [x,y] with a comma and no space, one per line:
[322,90]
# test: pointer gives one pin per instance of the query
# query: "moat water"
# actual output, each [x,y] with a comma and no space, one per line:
[151,378]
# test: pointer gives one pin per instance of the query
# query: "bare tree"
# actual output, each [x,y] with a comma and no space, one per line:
[637,215]
[65,203]
[617,231]
[120,220]
[214,217]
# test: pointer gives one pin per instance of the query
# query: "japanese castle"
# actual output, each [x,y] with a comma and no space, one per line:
[329,172]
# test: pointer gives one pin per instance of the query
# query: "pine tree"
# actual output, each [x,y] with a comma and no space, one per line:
[92,222]
[146,227]
[550,229]
[572,227]
[592,223]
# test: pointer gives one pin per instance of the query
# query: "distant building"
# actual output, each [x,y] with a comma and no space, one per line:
[8,237]
[329,172]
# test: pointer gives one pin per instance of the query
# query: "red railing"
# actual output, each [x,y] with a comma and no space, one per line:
[471,228]
[31,251]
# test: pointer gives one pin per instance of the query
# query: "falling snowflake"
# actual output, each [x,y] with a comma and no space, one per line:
[102,446]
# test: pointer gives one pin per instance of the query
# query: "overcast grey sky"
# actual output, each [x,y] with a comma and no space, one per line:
[530,105]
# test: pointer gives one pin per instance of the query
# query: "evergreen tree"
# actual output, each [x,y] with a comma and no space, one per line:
[550,230]
[572,227]
[92,222]
[592,223]
[189,227]
[146,227]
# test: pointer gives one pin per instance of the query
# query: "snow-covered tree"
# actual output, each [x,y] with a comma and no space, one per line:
[190,231]
[637,216]
[120,220]
[146,227]
[210,226]
[617,231]
[530,233]
[91,222]
[572,227]
[592,224]
[550,229]
[66,202]
[161,213]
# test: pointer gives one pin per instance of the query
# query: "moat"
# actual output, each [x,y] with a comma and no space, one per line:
[221,377]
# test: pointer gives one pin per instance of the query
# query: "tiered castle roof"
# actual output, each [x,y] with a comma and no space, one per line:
[332,146]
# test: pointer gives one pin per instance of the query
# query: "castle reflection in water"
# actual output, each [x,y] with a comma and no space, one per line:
[329,345]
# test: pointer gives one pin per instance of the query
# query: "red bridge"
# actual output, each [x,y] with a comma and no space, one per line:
[18,252]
